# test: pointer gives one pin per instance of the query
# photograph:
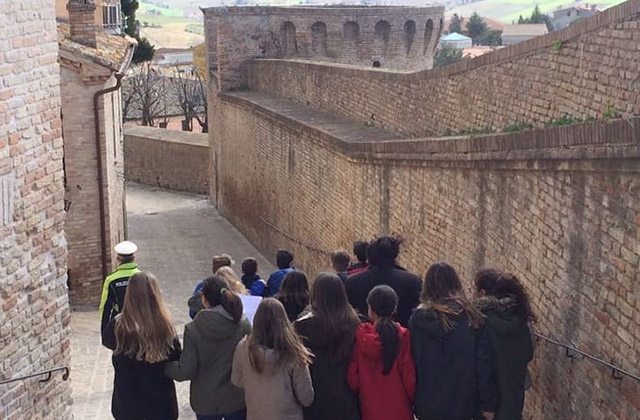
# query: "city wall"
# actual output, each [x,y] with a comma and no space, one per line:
[175,160]
[34,308]
[560,206]
[580,71]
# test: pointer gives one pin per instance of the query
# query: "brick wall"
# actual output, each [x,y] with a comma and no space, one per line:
[580,71]
[402,38]
[558,207]
[82,226]
[169,159]
[34,310]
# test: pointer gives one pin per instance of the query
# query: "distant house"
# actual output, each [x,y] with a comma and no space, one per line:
[173,57]
[565,16]
[456,40]
[514,34]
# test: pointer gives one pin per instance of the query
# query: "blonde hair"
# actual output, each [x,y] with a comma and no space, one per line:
[143,330]
[230,276]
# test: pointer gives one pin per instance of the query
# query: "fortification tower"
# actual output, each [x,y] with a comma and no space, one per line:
[392,38]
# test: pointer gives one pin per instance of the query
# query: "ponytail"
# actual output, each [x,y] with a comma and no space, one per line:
[231,303]
[217,292]
[383,301]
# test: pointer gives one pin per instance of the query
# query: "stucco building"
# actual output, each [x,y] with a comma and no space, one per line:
[92,64]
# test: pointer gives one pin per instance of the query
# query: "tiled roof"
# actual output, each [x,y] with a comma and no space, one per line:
[526,29]
[494,25]
[113,51]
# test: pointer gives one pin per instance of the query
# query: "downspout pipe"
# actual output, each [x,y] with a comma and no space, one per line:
[96,122]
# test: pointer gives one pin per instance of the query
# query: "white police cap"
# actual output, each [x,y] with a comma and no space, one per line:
[126,248]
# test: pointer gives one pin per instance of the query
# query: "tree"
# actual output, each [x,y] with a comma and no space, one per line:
[537,17]
[146,91]
[492,38]
[144,51]
[191,97]
[456,24]
[447,55]
[476,27]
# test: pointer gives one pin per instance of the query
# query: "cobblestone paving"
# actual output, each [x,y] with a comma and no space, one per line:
[177,234]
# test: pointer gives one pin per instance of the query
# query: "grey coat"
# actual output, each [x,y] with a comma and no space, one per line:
[278,393]
[209,343]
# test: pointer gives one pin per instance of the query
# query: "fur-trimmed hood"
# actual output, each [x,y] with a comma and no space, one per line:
[501,314]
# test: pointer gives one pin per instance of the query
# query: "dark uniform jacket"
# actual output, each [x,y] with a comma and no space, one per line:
[141,391]
[113,290]
[407,285]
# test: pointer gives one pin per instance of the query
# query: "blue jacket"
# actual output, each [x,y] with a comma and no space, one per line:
[275,280]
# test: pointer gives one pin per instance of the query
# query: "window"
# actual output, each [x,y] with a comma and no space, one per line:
[111,16]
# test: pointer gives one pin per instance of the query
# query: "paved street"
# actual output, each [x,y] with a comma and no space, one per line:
[177,235]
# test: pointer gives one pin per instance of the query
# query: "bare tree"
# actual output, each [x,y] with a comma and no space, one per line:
[145,92]
[190,96]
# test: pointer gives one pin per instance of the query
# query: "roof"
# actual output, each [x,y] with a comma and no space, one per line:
[493,25]
[526,29]
[454,36]
[478,50]
[112,51]
[593,7]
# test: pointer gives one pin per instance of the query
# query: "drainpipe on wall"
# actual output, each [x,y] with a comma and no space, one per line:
[96,122]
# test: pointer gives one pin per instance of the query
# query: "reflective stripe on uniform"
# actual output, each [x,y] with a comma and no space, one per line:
[124,270]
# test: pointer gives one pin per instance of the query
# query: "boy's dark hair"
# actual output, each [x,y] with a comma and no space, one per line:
[384,250]
[249,266]
[360,250]
[340,260]
[284,259]
[383,301]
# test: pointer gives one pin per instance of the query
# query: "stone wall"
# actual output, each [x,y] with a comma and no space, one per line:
[559,207]
[175,160]
[580,71]
[34,309]
[82,200]
[402,38]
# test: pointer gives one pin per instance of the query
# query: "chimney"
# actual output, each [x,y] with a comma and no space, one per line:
[82,22]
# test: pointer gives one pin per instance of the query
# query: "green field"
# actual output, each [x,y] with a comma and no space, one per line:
[508,11]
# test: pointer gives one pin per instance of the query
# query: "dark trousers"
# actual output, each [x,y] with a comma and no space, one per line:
[238,415]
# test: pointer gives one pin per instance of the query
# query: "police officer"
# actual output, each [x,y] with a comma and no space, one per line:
[115,285]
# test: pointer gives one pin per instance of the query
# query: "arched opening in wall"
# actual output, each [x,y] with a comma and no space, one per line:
[440,29]
[409,34]
[289,43]
[428,35]
[382,33]
[351,31]
[319,39]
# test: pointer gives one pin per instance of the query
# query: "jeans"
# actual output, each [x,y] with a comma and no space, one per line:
[238,415]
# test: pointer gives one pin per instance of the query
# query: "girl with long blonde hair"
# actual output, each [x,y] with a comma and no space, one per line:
[230,276]
[272,366]
[143,341]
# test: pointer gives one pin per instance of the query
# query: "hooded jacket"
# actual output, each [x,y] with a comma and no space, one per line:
[510,349]
[278,393]
[406,285]
[382,397]
[209,343]
[333,398]
[446,366]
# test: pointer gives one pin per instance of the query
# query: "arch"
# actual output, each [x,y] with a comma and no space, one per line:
[382,31]
[319,39]
[428,35]
[409,34]
[351,31]
[289,42]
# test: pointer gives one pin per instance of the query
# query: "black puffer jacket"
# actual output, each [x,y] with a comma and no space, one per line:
[510,349]
[333,399]
[446,380]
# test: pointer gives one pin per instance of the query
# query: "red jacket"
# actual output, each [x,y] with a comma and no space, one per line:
[382,397]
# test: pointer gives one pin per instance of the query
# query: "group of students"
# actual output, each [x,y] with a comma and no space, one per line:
[377,344]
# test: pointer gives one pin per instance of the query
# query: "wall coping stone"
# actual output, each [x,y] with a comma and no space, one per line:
[162,134]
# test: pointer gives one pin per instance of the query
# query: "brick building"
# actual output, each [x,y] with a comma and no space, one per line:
[92,63]
[34,309]
[400,38]
[331,153]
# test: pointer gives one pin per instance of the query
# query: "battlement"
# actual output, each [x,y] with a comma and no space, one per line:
[389,37]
